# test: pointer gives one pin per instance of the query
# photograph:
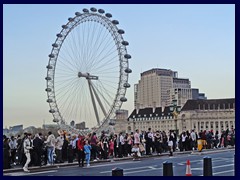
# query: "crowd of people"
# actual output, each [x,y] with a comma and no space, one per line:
[39,150]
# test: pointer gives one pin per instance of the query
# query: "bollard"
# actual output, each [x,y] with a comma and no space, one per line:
[207,166]
[117,172]
[167,169]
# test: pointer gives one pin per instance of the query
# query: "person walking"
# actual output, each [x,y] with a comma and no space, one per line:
[58,146]
[87,151]
[50,143]
[80,150]
[27,145]
[149,141]
[6,153]
[121,145]
[193,140]
[93,143]
[158,142]
[170,142]
[37,149]
[116,145]
[13,148]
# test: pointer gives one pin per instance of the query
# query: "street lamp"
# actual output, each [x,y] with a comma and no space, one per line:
[175,110]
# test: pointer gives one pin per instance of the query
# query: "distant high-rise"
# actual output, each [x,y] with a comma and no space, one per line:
[151,89]
[158,87]
[81,125]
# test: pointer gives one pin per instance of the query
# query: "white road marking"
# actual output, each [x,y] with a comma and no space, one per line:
[222,166]
[112,164]
[181,164]
[223,172]
[142,167]
[28,173]
[196,169]
[214,160]
[131,172]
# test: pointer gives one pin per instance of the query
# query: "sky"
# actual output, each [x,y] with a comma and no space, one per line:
[197,41]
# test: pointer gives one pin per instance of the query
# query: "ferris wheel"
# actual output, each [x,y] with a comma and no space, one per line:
[87,71]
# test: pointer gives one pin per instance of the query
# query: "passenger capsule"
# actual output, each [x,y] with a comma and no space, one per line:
[56,120]
[49,100]
[51,55]
[52,111]
[64,26]
[59,35]
[108,15]
[120,31]
[55,45]
[123,99]
[85,10]
[48,89]
[128,70]
[93,9]
[115,22]
[127,56]
[49,67]
[126,85]
[77,13]
[125,43]
[101,11]
[70,19]
[48,78]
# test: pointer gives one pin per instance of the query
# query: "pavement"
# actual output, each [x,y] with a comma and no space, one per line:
[18,168]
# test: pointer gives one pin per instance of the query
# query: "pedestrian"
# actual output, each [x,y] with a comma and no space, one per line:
[27,145]
[93,143]
[170,142]
[158,142]
[58,146]
[149,141]
[6,153]
[21,155]
[37,149]
[193,140]
[116,145]
[80,150]
[87,151]
[50,143]
[111,147]
[13,148]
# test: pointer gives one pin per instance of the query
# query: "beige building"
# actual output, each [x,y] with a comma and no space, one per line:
[158,87]
[151,90]
[215,114]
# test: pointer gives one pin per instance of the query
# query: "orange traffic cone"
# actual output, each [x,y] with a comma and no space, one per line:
[188,169]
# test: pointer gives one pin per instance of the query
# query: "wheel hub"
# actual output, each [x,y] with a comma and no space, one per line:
[87,76]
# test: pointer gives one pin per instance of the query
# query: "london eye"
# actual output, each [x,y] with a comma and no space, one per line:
[87,70]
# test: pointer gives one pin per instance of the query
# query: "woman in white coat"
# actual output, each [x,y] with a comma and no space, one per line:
[27,144]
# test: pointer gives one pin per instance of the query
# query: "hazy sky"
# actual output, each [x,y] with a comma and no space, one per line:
[198,41]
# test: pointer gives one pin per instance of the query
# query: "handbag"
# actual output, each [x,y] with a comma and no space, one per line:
[170,143]
[141,148]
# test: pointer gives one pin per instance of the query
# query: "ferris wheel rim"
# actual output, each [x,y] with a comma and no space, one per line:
[123,59]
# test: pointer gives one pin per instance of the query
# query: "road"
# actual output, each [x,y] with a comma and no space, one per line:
[222,165]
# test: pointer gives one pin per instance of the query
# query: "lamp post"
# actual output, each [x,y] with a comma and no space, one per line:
[175,110]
